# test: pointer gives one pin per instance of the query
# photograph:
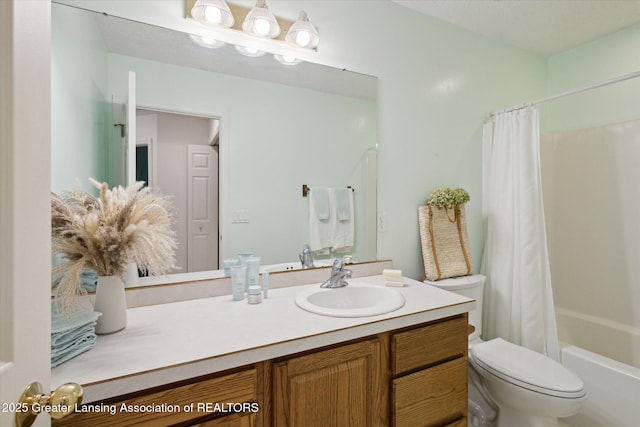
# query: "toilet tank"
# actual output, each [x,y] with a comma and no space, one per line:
[471,287]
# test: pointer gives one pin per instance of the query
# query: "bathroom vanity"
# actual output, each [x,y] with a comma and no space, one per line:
[215,362]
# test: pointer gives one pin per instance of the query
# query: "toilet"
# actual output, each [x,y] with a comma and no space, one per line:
[510,385]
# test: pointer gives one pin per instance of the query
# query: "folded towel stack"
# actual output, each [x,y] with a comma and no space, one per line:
[392,277]
[73,335]
[89,280]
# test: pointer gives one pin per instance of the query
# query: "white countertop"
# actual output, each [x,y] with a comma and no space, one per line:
[175,341]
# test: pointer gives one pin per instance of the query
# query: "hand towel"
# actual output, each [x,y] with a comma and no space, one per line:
[84,343]
[89,280]
[71,336]
[344,205]
[320,202]
[342,232]
[78,319]
[320,237]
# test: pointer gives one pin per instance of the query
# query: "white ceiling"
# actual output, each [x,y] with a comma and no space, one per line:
[545,27]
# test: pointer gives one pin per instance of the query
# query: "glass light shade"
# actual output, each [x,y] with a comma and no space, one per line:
[286,60]
[260,22]
[205,41]
[213,12]
[302,33]
[249,51]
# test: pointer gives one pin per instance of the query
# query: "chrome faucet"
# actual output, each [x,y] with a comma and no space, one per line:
[306,257]
[338,273]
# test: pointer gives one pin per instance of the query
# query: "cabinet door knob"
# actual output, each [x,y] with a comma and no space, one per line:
[58,404]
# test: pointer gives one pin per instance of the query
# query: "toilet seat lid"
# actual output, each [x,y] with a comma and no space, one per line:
[526,368]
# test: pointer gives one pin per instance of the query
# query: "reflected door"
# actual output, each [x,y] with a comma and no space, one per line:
[202,212]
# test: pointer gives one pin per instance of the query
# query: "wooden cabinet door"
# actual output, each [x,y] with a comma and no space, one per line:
[432,397]
[339,387]
[235,420]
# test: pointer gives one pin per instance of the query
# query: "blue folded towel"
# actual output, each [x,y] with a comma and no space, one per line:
[61,354]
[72,335]
[89,280]
[78,319]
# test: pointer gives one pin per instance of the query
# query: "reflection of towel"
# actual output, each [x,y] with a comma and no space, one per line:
[71,336]
[342,231]
[343,203]
[320,202]
[89,280]
[320,237]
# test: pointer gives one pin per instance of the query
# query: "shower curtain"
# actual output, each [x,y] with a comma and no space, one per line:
[518,296]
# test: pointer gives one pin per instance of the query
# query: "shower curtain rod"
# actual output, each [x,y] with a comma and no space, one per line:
[567,93]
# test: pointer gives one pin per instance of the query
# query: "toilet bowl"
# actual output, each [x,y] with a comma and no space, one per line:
[524,388]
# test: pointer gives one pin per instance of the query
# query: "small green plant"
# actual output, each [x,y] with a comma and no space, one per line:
[448,197]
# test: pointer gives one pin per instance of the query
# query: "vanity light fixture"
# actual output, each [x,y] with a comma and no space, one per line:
[260,22]
[213,12]
[303,33]
[286,60]
[249,51]
[257,22]
[205,41]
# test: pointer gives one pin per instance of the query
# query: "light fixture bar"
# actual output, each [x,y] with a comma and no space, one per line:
[239,13]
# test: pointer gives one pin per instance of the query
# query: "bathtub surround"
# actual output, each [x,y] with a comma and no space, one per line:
[519,306]
[591,180]
[612,390]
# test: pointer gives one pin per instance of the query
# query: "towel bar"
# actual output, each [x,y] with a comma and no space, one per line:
[306,188]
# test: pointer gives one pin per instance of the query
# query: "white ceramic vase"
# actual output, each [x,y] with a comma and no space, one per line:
[112,303]
[131,275]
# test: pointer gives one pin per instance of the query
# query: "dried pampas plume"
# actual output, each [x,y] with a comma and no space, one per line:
[122,225]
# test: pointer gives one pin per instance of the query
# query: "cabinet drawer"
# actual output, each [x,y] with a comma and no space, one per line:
[430,344]
[235,420]
[436,396]
[234,388]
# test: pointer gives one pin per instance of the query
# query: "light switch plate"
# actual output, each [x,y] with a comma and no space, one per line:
[240,216]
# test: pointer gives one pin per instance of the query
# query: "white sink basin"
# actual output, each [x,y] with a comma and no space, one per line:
[354,300]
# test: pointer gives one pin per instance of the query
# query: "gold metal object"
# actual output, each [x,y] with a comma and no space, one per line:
[58,404]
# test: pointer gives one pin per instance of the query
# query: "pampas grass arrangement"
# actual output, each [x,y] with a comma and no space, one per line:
[105,233]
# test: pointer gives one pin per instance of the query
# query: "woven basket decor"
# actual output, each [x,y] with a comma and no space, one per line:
[445,243]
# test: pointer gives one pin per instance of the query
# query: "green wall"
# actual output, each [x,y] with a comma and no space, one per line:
[437,82]
[600,60]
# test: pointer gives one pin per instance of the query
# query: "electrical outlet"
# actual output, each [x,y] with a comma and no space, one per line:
[382,221]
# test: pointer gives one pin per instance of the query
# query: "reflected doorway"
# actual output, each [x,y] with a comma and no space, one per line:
[179,153]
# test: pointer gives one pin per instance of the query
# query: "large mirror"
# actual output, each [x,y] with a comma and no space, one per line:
[267,128]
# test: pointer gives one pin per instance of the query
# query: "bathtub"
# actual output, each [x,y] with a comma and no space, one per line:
[613,390]
[615,340]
